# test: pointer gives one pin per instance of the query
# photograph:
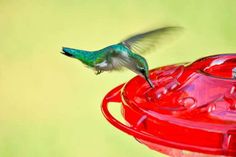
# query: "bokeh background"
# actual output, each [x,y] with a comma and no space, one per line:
[50,104]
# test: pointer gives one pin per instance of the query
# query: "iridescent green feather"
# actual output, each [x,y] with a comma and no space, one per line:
[86,57]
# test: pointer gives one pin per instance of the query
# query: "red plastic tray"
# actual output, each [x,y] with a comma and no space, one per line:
[192,107]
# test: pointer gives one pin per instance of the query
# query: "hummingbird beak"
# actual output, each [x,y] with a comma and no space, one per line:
[145,75]
[149,81]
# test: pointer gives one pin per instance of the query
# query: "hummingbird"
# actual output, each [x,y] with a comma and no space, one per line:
[127,53]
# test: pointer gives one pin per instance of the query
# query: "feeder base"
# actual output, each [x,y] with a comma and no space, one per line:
[173,152]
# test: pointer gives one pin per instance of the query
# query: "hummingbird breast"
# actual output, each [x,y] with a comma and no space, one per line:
[105,66]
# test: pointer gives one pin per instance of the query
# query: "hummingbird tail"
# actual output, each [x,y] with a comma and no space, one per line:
[68,52]
[84,56]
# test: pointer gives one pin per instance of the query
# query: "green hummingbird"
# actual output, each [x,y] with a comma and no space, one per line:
[126,53]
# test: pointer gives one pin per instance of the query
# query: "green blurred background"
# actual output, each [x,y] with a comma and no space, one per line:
[50,104]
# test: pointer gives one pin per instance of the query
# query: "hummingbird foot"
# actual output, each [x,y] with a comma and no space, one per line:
[98,72]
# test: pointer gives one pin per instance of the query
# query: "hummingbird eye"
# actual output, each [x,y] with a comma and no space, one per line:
[142,70]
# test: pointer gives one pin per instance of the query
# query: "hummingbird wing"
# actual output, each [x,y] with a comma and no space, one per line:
[144,42]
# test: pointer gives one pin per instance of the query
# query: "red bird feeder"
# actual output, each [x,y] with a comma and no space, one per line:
[190,112]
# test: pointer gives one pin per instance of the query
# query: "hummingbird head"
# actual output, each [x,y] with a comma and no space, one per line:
[141,68]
